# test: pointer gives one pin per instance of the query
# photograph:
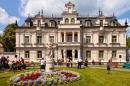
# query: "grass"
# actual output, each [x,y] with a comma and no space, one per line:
[90,77]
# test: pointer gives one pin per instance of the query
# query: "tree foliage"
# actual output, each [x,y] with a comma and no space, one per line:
[127,43]
[8,38]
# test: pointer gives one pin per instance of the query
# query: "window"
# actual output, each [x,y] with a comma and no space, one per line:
[27,54]
[52,39]
[28,24]
[69,37]
[53,24]
[101,39]
[39,54]
[72,21]
[114,39]
[88,24]
[26,39]
[114,24]
[67,21]
[88,39]
[101,23]
[39,39]
[88,54]
[75,37]
[101,54]
[62,37]
[113,54]
[39,23]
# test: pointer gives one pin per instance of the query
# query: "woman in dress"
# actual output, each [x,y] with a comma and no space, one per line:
[86,62]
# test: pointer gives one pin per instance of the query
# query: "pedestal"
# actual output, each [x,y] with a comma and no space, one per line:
[49,65]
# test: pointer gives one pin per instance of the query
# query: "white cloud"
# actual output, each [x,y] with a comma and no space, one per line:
[5,18]
[82,6]
[122,22]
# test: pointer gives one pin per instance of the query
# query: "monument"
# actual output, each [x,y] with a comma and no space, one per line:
[50,60]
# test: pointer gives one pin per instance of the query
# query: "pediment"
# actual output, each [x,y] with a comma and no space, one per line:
[101,17]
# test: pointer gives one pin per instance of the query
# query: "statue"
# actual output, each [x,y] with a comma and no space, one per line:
[50,49]
[50,60]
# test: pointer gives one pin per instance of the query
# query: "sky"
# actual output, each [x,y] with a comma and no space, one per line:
[12,10]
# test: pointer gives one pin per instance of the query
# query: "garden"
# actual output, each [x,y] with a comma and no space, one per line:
[90,77]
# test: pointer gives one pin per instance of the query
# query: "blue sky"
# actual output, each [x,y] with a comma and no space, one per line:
[12,10]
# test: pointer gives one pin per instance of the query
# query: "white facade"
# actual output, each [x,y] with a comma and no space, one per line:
[70,37]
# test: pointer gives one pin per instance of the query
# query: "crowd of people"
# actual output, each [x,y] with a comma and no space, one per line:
[15,65]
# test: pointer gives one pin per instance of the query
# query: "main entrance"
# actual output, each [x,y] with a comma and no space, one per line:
[69,53]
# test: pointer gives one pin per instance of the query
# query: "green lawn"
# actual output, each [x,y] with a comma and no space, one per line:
[90,77]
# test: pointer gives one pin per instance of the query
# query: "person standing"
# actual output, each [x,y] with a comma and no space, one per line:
[14,66]
[86,62]
[8,62]
[68,62]
[111,65]
[71,61]
[79,63]
[22,60]
[0,66]
[42,64]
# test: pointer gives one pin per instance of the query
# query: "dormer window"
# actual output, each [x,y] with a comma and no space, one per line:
[101,23]
[88,23]
[52,24]
[28,24]
[39,23]
[72,21]
[113,23]
[66,21]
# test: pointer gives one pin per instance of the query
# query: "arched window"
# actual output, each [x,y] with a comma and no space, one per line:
[39,23]
[52,24]
[66,21]
[88,23]
[101,23]
[72,21]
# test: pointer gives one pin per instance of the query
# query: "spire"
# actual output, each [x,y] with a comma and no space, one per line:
[39,13]
[99,11]
[126,22]
[42,12]
[52,16]
[113,14]
[16,24]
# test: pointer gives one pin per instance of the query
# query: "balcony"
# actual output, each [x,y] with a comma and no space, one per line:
[69,44]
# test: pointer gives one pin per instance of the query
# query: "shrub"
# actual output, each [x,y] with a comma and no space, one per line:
[61,82]
[55,83]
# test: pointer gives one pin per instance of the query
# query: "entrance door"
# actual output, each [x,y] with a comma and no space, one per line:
[69,53]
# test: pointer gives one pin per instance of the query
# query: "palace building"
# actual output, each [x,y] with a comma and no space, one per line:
[98,37]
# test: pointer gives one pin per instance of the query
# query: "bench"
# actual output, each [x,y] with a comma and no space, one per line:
[115,64]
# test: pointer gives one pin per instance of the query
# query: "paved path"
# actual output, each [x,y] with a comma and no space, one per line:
[91,66]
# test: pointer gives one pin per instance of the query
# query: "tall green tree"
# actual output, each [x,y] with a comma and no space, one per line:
[127,43]
[8,38]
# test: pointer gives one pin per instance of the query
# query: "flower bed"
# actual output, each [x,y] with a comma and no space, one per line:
[41,78]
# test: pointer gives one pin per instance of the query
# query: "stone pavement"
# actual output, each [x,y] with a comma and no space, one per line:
[91,66]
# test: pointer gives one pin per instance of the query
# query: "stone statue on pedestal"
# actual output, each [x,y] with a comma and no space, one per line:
[50,60]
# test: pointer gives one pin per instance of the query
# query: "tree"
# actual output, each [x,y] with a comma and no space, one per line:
[127,43]
[8,38]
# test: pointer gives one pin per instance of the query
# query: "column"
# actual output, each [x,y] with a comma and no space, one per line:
[59,54]
[48,37]
[36,38]
[42,38]
[59,35]
[72,36]
[56,56]
[73,55]
[78,53]
[91,38]
[118,38]
[64,36]
[64,52]
[78,36]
